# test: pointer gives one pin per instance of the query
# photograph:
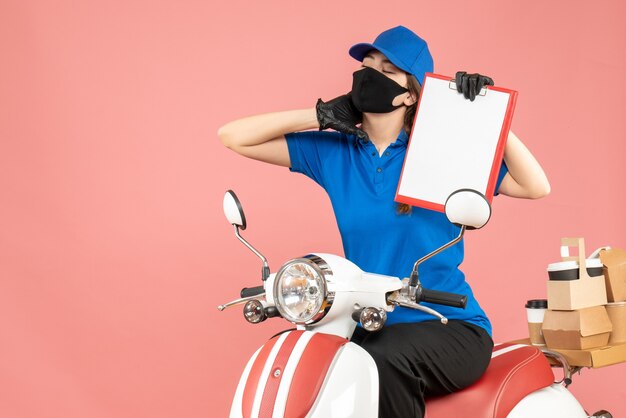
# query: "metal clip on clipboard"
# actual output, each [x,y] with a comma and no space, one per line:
[452,86]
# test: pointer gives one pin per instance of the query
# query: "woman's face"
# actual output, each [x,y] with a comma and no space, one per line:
[379,62]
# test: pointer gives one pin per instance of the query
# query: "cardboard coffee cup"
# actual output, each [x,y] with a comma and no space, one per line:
[535,310]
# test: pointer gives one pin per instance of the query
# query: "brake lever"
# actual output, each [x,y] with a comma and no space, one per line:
[239,301]
[398,299]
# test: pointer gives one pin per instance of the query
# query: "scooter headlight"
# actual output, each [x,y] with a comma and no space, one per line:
[300,290]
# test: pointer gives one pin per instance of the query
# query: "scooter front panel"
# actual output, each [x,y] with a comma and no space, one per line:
[310,374]
[350,389]
[255,380]
[286,375]
[277,374]
[236,410]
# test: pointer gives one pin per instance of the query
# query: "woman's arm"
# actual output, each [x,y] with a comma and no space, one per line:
[525,178]
[262,137]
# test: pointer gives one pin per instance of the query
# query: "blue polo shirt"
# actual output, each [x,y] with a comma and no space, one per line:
[361,186]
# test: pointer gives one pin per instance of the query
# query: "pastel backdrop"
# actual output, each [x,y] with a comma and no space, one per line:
[113,249]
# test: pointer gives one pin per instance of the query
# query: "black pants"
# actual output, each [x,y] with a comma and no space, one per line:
[419,360]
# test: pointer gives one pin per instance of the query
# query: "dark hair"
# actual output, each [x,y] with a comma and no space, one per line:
[416,90]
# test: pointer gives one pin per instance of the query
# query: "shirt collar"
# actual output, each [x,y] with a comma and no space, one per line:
[402,139]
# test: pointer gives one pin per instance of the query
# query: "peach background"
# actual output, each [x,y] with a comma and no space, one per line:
[114,252]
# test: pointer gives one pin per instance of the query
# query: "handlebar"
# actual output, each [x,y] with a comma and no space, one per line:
[442,298]
[247,292]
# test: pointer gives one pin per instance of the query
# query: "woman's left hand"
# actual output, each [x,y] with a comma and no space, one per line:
[471,84]
[341,115]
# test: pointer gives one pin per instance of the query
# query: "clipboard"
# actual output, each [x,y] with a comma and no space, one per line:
[455,143]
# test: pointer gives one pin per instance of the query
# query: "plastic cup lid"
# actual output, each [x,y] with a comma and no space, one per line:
[537,304]
[568,265]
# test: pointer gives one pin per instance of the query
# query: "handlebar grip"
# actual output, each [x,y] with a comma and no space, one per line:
[443,298]
[246,292]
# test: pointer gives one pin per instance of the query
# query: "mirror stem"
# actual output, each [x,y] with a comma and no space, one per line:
[265,272]
[414,280]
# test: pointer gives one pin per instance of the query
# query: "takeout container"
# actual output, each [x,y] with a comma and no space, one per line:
[577,293]
[577,330]
[614,261]
[595,357]
[617,315]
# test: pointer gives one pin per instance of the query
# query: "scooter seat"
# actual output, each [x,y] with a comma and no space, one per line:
[515,371]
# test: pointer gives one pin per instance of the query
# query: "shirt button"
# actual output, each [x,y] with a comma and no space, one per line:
[373,153]
[380,170]
[387,153]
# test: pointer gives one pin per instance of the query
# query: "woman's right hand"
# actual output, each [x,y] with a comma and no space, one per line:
[341,115]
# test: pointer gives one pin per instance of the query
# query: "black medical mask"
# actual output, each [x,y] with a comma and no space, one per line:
[373,92]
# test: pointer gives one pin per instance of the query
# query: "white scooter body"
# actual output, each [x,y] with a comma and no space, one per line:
[315,372]
[350,386]
[350,389]
[554,401]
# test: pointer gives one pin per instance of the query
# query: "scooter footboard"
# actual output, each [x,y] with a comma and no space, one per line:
[301,373]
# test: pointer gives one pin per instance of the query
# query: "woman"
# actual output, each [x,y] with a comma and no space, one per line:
[360,168]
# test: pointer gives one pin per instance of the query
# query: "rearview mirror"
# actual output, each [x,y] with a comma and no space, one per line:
[234,214]
[233,210]
[467,207]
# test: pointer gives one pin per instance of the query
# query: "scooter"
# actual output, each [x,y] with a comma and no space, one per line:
[314,370]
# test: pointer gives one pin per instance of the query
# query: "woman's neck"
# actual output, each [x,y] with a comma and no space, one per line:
[383,128]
